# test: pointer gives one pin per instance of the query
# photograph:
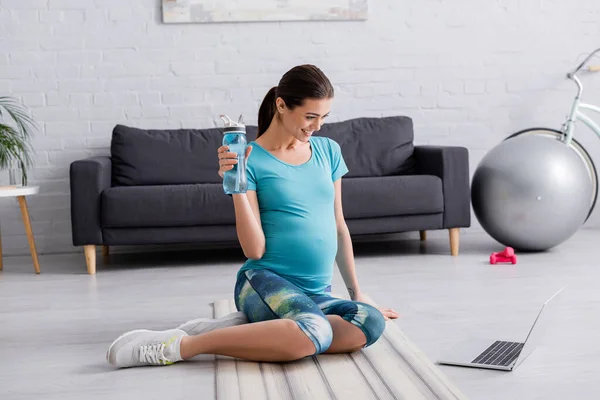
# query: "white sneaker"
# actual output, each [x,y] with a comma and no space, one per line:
[143,347]
[203,325]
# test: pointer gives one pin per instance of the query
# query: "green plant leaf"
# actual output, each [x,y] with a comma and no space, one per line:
[15,140]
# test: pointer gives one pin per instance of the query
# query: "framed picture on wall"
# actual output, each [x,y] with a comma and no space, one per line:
[211,11]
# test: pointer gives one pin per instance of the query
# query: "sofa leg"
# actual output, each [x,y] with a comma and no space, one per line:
[423,235]
[90,258]
[105,253]
[454,241]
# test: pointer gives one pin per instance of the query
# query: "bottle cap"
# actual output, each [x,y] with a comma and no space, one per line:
[232,126]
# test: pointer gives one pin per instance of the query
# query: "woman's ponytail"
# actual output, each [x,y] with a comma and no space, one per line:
[267,111]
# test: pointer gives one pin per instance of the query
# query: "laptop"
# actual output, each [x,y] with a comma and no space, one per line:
[500,354]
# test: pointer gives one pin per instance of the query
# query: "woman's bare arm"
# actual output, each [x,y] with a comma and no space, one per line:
[247,213]
[248,225]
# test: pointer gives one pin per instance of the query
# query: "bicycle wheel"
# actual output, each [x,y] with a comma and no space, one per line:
[578,148]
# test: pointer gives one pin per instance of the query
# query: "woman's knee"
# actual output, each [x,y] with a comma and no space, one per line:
[372,322]
[318,331]
[302,347]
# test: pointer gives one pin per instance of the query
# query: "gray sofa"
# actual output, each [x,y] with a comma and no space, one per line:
[162,186]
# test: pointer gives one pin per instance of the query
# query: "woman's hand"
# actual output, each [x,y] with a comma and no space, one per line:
[228,159]
[388,313]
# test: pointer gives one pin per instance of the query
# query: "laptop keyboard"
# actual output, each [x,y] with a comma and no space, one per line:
[500,353]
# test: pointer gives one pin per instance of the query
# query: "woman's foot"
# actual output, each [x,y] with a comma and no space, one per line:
[204,325]
[143,347]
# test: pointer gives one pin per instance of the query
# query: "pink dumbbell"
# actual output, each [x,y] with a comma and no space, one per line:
[508,255]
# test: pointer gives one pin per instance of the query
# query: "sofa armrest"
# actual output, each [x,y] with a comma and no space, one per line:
[451,165]
[88,178]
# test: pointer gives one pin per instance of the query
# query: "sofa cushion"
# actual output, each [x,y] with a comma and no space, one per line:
[166,206]
[391,196]
[163,157]
[374,146]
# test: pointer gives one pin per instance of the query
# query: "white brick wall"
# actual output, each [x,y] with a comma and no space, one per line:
[469,73]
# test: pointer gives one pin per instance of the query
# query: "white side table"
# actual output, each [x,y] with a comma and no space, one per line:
[20,193]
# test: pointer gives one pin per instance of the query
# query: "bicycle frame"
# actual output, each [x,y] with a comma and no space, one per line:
[576,114]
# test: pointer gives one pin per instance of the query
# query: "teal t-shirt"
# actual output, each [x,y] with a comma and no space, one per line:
[297,213]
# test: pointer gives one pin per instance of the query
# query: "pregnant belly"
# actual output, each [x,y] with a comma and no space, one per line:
[307,254]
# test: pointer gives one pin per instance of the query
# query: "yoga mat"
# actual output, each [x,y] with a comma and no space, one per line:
[392,368]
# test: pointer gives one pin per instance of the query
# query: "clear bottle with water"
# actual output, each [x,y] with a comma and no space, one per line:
[235,180]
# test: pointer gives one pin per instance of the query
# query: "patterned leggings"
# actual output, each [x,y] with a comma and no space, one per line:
[263,295]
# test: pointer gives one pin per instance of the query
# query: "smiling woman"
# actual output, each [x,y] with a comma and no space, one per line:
[291,227]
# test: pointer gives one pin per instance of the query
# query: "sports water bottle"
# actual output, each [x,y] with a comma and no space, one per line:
[235,180]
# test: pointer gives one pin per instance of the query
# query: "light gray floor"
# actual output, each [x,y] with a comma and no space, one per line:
[56,327]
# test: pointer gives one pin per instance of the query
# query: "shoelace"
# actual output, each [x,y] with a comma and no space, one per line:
[154,354]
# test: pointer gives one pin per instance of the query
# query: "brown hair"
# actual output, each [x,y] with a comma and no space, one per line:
[299,83]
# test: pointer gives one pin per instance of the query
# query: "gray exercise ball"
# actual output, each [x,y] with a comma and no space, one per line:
[531,192]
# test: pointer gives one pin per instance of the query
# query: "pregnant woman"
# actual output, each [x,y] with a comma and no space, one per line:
[291,227]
